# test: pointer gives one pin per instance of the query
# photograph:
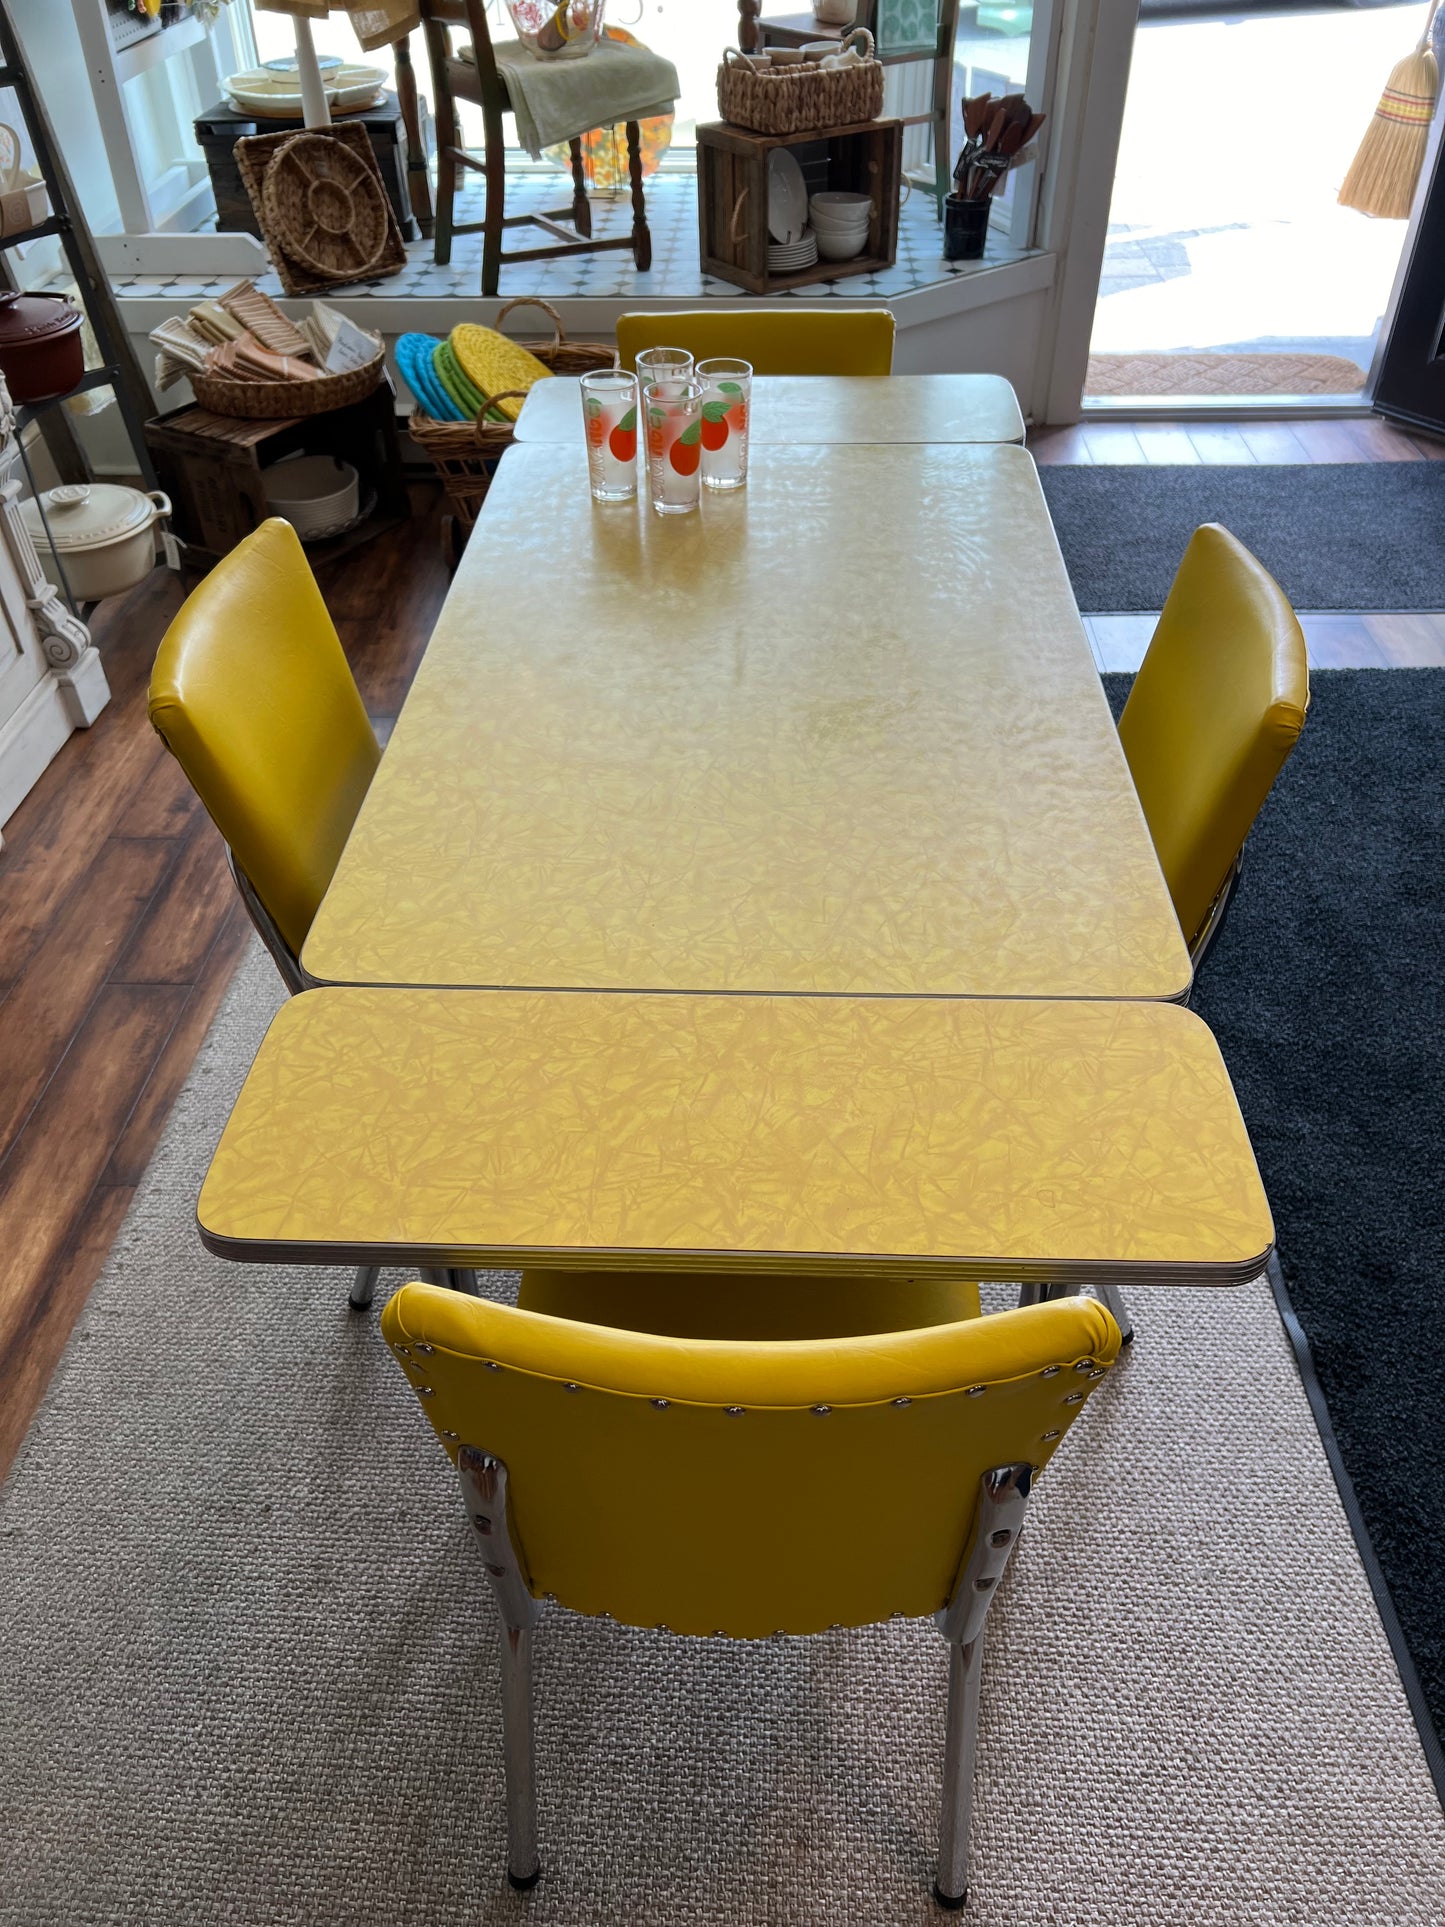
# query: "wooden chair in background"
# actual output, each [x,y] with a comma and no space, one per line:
[475,75]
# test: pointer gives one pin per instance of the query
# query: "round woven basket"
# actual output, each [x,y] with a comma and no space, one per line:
[467,453]
[325,207]
[276,400]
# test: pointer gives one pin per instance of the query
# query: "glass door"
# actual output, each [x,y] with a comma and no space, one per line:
[1231,272]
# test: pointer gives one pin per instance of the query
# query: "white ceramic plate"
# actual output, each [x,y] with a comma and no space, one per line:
[260,92]
[787,197]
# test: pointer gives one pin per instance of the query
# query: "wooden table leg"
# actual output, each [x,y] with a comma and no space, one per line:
[641,233]
[418,186]
[581,206]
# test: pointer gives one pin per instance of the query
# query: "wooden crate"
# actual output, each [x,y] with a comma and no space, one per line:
[732,197]
[211,467]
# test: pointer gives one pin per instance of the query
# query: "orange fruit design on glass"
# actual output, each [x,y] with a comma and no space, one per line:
[686,451]
[723,413]
[623,439]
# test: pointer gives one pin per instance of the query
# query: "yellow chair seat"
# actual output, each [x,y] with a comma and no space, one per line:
[742,1305]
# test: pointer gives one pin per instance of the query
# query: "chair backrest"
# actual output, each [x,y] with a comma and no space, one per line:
[1214,713]
[253,696]
[437,16]
[746,1488]
[777,341]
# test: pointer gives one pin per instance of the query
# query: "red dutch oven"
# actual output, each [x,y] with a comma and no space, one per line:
[41,352]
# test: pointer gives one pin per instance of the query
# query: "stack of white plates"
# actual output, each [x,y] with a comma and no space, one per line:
[789,257]
[841,223]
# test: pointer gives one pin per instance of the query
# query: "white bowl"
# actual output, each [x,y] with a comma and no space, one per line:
[834,203]
[316,494]
[837,224]
[832,248]
[841,231]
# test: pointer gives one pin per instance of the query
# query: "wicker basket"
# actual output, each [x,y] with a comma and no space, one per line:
[796,99]
[254,154]
[326,208]
[466,453]
[271,401]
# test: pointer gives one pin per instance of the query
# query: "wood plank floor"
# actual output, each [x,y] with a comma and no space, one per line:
[119,932]
[118,928]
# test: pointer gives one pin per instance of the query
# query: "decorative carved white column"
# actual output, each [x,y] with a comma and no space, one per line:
[51,678]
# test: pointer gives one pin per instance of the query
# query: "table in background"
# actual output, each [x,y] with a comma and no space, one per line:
[1066,1144]
[790,411]
[841,732]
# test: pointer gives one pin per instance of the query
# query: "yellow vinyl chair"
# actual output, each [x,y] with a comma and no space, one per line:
[745,1486]
[1215,710]
[777,341]
[1210,722]
[254,698]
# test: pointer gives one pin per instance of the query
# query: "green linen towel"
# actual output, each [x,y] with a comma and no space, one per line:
[554,100]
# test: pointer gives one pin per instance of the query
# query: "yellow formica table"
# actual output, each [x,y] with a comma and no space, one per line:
[1058,1143]
[840,731]
[792,411]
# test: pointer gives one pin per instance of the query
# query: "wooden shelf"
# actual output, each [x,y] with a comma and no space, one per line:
[141,55]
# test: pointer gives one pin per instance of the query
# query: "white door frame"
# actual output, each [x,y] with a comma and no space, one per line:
[1095,46]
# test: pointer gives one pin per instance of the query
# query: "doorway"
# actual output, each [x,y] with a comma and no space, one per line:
[1231,273]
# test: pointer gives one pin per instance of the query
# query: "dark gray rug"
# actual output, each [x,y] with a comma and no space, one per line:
[1348,535]
[1325,992]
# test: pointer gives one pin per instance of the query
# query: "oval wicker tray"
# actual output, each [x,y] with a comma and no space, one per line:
[276,400]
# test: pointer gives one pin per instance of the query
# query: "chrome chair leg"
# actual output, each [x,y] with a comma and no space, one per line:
[1003,1495]
[524,1868]
[965,1671]
[1046,1294]
[453,1277]
[1112,1299]
[483,1482]
[363,1286]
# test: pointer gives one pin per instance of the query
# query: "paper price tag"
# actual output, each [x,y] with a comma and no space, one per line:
[352,348]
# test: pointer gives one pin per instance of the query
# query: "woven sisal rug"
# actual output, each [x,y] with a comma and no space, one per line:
[250,1669]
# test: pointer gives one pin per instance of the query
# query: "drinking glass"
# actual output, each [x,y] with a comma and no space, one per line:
[673,412]
[663,364]
[727,387]
[609,415]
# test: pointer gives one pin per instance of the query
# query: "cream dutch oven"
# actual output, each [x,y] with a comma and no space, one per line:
[103,533]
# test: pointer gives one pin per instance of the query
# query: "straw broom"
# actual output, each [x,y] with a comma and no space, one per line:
[1383,174]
